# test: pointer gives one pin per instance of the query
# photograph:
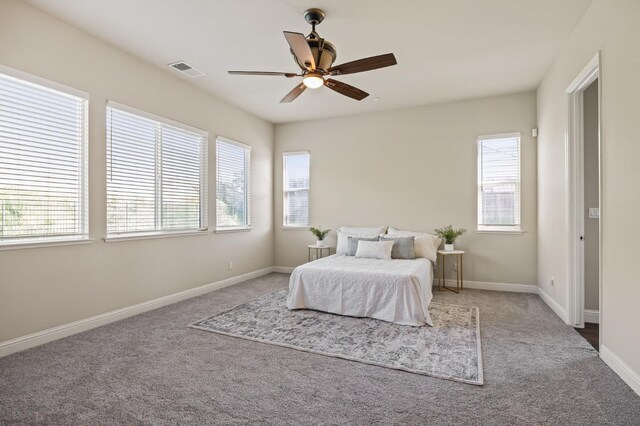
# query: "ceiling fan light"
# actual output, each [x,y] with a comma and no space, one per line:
[313,81]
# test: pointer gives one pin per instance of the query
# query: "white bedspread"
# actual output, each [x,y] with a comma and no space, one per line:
[397,291]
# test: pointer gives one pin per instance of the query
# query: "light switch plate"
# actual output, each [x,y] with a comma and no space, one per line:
[594,213]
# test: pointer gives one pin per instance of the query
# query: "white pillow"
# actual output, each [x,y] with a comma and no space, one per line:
[426,244]
[344,232]
[375,249]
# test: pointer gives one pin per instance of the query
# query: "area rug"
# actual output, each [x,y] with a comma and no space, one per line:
[448,350]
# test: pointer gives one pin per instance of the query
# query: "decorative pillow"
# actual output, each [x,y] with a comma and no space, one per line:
[403,247]
[426,245]
[375,249]
[352,245]
[345,232]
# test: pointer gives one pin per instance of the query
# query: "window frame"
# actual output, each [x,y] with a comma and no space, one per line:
[83,236]
[247,193]
[285,225]
[160,233]
[499,229]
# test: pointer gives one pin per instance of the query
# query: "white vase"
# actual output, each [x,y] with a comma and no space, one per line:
[319,243]
[448,247]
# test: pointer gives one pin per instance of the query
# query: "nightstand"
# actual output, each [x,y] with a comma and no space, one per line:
[459,273]
[319,251]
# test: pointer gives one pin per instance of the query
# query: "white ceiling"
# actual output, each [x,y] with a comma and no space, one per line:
[446,49]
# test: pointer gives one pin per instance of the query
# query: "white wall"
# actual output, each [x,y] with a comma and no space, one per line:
[413,169]
[610,26]
[45,287]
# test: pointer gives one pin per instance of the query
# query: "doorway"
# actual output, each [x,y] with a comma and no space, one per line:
[584,202]
[591,215]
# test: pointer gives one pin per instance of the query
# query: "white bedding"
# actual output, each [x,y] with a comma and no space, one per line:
[396,290]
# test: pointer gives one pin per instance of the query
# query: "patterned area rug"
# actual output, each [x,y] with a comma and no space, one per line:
[448,350]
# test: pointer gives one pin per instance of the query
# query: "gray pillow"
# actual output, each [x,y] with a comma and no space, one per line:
[403,247]
[352,244]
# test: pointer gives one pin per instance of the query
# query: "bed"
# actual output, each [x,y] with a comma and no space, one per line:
[395,290]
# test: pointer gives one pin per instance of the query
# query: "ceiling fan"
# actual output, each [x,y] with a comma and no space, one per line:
[315,57]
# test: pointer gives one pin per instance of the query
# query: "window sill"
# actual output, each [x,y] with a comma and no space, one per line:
[295,228]
[228,230]
[502,232]
[149,236]
[41,244]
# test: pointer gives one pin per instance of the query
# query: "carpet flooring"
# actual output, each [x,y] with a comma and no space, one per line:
[152,369]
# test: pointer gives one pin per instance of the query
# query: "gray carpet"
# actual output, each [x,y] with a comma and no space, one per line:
[449,350]
[151,369]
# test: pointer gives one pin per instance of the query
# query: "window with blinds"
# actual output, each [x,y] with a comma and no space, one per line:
[233,165]
[43,169]
[156,174]
[499,182]
[296,188]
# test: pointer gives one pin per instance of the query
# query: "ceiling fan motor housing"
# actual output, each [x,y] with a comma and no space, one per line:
[324,53]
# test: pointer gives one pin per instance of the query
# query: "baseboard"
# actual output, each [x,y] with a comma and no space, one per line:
[621,368]
[592,316]
[41,337]
[479,285]
[521,288]
[486,285]
[555,306]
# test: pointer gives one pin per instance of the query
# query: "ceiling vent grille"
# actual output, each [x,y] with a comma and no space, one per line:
[187,69]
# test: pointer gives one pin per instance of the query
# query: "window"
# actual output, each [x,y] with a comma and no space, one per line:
[296,189]
[233,163]
[43,170]
[499,183]
[156,174]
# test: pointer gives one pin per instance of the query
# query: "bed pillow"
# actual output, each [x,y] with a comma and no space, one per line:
[352,245]
[375,249]
[426,245]
[345,232]
[403,247]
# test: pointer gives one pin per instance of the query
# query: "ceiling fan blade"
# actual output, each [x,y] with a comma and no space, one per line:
[346,89]
[280,74]
[292,95]
[300,48]
[365,64]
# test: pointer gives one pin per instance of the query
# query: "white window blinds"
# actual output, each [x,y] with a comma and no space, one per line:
[499,182]
[296,188]
[156,174]
[43,184]
[233,164]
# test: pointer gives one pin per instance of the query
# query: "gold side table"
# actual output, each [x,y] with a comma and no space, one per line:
[459,273]
[319,251]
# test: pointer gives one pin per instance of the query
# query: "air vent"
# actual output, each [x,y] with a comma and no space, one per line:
[187,69]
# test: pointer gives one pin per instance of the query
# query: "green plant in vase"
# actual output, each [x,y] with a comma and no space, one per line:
[449,235]
[320,234]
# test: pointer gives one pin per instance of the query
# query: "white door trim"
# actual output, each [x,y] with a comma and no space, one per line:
[574,150]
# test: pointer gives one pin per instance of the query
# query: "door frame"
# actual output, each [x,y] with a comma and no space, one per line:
[574,150]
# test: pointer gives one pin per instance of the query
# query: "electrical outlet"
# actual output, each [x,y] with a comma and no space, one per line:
[551,281]
[455,266]
[230,265]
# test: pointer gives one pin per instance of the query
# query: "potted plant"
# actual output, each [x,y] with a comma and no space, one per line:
[449,235]
[319,233]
